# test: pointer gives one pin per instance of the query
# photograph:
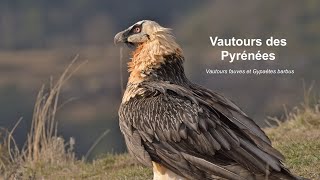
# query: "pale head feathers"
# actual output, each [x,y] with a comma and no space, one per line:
[150,54]
[151,43]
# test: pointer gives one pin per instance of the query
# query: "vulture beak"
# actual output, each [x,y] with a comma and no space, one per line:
[121,37]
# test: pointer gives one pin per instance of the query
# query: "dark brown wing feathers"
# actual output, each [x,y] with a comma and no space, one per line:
[196,133]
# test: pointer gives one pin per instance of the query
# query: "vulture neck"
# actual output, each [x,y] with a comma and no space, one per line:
[157,60]
[171,70]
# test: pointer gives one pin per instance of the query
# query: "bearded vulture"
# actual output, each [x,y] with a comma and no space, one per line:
[181,129]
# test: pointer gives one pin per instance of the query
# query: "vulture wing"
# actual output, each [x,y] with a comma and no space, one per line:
[195,133]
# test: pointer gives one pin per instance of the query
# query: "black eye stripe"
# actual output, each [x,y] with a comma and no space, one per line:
[134,27]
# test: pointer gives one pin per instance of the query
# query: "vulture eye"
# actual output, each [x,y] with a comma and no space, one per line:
[136,29]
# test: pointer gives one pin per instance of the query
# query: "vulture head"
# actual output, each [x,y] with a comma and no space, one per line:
[151,45]
[139,33]
[147,32]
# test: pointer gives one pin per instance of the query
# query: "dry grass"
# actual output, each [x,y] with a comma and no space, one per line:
[43,147]
[47,156]
[298,138]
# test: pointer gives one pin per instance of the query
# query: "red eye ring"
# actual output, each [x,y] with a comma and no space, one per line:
[136,30]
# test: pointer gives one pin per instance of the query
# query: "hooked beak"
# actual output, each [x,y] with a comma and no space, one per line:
[120,37]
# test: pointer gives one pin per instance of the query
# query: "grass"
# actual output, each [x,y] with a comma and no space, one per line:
[298,139]
[46,155]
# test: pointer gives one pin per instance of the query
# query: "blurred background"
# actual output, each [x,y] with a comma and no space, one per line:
[39,38]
